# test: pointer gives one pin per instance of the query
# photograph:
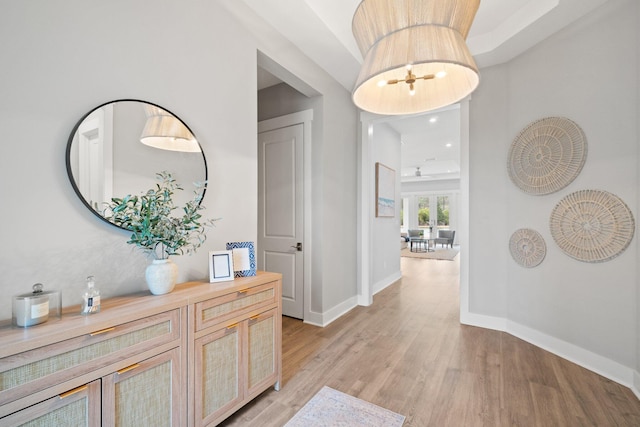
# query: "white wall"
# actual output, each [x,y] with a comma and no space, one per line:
[637,119]
[385,232]
[339,197]
[588,73]
[65,58]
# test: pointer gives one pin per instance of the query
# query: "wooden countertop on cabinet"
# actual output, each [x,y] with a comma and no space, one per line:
[123,308]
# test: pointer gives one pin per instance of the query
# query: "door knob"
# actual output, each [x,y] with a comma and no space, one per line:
[298,246]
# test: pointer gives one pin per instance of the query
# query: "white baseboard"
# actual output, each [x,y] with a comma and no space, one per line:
[594,362]
[386,282]
[587,359]
[323,319]
[313,318]
[483,321]
[636,384]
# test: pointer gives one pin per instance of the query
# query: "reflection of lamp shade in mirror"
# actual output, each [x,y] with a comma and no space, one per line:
[163,130]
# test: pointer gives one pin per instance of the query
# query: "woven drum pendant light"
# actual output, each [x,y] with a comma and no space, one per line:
[415,55]
[164,131]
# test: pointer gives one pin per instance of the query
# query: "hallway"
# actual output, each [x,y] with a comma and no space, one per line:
[408,353]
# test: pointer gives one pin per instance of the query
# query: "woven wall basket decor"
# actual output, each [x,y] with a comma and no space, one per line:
[527,247]
[547,155]
[592,225]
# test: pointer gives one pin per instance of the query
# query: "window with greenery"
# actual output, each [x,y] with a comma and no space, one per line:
[423,211]
[443,210]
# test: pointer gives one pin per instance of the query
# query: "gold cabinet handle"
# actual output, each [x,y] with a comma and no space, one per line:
[74,391]
[254,318]
[128,368]
[102,331]
[233,325]
[243,291]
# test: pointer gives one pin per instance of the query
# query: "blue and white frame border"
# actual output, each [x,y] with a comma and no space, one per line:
[233,246]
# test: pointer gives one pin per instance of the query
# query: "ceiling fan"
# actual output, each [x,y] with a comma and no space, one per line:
[418,172]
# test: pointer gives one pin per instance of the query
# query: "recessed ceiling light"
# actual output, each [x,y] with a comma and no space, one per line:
[448,145]
[433,119]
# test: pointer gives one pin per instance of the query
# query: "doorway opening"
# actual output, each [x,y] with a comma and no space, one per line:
[435,180]
[286,108]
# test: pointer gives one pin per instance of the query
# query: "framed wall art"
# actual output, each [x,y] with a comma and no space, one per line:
[385,191]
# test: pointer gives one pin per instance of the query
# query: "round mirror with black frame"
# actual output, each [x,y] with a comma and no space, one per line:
[117,149]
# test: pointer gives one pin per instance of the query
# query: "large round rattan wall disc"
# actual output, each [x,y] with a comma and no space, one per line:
[527,247]
[547,155]
[592,225]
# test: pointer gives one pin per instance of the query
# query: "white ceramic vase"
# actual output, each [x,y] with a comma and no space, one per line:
[161,276]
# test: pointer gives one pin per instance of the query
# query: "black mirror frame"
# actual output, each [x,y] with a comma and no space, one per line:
[70,143]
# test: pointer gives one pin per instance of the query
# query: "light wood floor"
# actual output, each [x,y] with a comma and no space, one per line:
[408,353]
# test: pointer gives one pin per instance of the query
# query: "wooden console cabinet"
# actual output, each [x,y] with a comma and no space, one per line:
[189,358]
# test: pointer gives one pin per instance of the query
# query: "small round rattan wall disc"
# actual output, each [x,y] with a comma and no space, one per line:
[547,155]
[527,247]
[592,225]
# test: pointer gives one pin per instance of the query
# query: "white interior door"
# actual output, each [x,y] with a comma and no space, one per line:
[95,157]
[280,212]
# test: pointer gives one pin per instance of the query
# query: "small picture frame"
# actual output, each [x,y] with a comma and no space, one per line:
[220,266]
[244,258]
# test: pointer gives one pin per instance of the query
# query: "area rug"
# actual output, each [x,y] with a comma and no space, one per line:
[443,254]
[331,408]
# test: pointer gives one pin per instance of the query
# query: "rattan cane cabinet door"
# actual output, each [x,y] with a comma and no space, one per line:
[145,394]
[78,407]
[262,353]
[218,374]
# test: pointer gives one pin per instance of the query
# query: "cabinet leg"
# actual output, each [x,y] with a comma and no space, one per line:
[276,386]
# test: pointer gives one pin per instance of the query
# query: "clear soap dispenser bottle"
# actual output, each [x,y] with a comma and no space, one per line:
[91,297]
